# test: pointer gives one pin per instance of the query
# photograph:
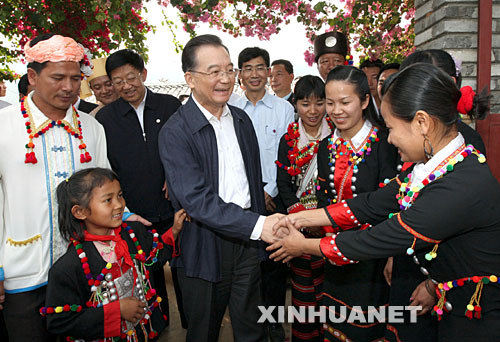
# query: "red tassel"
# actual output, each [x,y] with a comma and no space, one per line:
[468,314]
[82,158]
[477,312]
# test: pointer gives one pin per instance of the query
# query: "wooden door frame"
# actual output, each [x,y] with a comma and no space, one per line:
[490,127]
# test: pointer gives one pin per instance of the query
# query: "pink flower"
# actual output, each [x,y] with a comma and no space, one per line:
[309,57]
[116,17]
[204,17]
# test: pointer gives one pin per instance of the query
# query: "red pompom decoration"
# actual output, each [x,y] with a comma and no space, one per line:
[466,101]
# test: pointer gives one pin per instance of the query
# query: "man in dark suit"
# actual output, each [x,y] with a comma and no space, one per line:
[211,159]
[85,106]
[132,124]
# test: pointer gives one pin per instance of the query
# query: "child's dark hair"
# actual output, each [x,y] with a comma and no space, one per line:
[309,86]
[357,78]
[77,190]
[426,87]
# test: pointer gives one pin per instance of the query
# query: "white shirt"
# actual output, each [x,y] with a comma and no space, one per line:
[270,117]
[140,112]
[29,234]
[233,183]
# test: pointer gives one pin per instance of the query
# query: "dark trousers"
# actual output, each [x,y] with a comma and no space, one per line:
[274,273]
[23,319]
[205,302]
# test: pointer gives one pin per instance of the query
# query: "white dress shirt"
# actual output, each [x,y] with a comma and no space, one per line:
[233,182]
[140,112]
[270,117]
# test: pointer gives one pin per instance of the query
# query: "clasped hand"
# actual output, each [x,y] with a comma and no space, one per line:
[284,237]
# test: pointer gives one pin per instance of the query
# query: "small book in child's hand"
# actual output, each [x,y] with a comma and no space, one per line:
[127,286]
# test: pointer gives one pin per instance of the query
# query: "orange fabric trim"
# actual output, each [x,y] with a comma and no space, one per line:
[415,233]
[345,304]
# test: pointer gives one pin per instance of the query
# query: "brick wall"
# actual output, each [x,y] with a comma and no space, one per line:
[452,25]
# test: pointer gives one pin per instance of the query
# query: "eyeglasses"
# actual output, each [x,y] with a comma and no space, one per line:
[260,69]
[218,74]
[129,80]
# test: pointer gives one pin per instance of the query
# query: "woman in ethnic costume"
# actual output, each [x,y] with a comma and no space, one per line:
[355,159]
[297,183]
[443,212]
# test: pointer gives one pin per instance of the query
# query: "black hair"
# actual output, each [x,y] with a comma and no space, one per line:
[23,85]
[437,57]
[426,87]
[309,86]
[38,67]
[357,78]
[123,57]
[288,66]
[188,58]
[251,53]
[77,190]
[369,63]
[388,67]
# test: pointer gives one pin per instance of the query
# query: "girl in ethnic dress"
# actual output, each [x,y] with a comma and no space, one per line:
[297,184]
[100,289]
[443,212]
[355,159]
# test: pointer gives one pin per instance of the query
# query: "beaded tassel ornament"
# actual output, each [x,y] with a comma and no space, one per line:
[34,132]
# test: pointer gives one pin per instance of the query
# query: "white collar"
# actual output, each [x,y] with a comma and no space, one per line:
[286,97]
[39,118]
[77,103]
[359,138]
[422,170]
[207,114]
[143,102]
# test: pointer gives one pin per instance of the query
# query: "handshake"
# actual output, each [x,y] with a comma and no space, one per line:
[283,235]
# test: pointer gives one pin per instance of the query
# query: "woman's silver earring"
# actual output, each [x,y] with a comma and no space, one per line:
[428,149]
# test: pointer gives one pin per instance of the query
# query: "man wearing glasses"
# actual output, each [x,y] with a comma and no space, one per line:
[132,124]
[211,159]
[270,116]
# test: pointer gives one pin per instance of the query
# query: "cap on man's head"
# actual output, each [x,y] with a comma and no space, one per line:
[56,48]
[330,42]
[98,71]
[99,68]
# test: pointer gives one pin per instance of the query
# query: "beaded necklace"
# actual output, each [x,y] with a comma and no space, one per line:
[298,157]
[103,287]
[341,147]
[34,132]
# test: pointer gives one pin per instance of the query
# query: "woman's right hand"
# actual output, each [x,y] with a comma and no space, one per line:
[132,309]
[388,270]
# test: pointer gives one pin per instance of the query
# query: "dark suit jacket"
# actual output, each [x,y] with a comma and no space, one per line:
[86,107]
[136,159]
[188,150]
